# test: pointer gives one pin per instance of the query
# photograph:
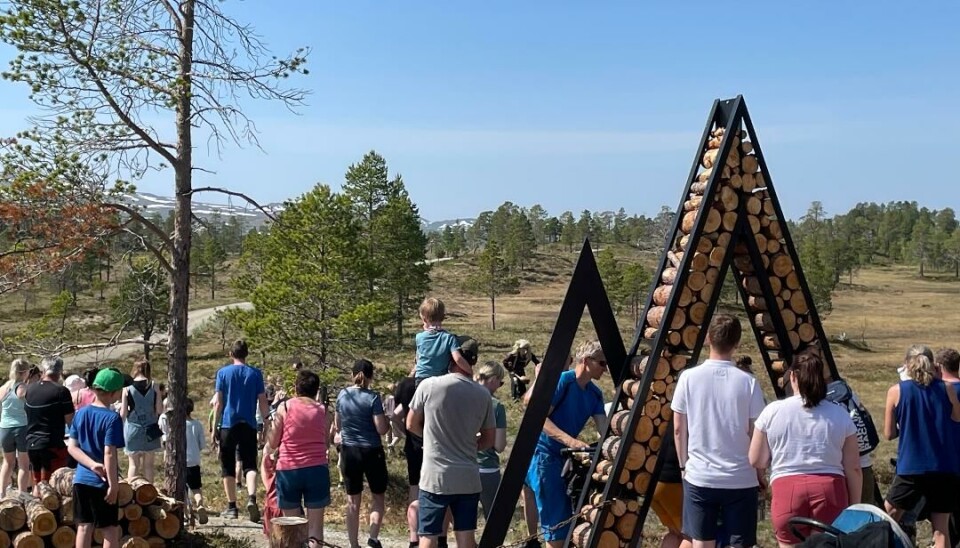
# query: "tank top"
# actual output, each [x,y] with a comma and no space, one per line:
[303,440]
[13,415]
[143,412]
[926,430]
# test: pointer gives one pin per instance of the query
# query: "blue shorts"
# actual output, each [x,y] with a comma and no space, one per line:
[433,508]
[703,506]
[544,479]
[303,487]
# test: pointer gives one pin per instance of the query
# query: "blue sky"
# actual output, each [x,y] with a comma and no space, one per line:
[599,105]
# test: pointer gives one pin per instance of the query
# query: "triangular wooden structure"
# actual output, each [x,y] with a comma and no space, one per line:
[585,290]
[729,218]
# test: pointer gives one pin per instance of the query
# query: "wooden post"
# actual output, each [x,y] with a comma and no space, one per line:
[288,531]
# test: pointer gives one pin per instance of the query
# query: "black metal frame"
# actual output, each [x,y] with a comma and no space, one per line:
[585,289]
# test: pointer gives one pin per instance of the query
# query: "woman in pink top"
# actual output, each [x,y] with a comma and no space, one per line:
[84,396]
[299,430]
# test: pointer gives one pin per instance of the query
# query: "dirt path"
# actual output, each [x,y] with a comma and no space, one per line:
[195,320]
[254,532]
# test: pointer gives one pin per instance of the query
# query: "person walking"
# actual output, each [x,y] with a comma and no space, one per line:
[449,412]
[299,431]
[922,412]
[49,410]
[515,363]
[239,392]
[714,407]
[13,428]
[811,447]
[140,408]
[361,422]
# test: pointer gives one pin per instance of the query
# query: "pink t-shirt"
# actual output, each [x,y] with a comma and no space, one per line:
[83,398]
[303,440]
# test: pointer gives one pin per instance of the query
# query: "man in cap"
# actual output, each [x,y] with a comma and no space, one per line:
[49,408]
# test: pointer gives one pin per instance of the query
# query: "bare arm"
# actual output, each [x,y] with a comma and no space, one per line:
[554,432]
[80,456]
[123,404]
[217,412]
[680,434]
[851,469]
[601,422]
[486,439]
[113,473]
[500,441]
[759,450]
[890,428]
[382,424]
[529,392]
[415,422]
[264,407]
[955,405]
[462,362]
[157,403]
[275,430]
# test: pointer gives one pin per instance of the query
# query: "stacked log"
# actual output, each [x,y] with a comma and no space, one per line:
[27,521]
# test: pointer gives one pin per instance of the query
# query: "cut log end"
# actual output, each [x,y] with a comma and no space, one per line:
[288,531]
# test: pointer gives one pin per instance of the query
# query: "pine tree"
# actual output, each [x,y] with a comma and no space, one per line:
[492,278]
[142,300]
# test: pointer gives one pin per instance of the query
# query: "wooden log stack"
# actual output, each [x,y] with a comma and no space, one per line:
[27,521]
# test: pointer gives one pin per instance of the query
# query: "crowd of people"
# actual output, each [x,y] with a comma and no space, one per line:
[810,450]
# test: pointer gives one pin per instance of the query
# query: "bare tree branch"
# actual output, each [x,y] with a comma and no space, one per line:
[270,215]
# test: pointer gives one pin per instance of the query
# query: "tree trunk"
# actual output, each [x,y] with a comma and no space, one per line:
[493,311]
[175,461]
[399,319]
[146,344]
[213,283]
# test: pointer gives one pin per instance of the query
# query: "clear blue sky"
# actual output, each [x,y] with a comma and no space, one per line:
[599,105]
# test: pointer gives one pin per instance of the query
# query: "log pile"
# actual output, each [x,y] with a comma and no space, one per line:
[713,223]
[147,518]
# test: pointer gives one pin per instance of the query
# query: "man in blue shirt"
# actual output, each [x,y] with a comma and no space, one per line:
[575,400]
[240,390]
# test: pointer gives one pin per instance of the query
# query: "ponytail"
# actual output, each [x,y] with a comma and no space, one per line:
[920,368]
[359,379]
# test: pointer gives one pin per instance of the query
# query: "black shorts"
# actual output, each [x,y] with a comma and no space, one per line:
[939,490]
[238,441]
[413,451]
[364,461]
[194,480]
[89,506]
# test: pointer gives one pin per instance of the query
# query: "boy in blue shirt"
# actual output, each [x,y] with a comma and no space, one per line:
[436,347]
[95,436]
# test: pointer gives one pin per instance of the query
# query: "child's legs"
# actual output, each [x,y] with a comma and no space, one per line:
[23,472]
[84,535]
[6,471]
[133,469]
[111,537]
[148,461]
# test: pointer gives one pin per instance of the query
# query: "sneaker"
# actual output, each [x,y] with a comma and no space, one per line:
[230,513]
[253,511]
[374,543]
[202,516]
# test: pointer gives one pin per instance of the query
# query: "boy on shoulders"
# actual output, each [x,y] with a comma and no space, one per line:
[436,347]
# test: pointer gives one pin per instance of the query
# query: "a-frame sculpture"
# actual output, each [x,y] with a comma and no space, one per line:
[729,217]
[585,290]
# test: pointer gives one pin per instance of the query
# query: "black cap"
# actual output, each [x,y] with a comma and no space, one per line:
[470,348]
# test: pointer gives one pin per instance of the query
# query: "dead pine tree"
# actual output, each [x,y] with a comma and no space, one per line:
[104,74]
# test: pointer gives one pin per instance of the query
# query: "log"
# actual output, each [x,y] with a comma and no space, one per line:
[61,480]
[626,524]
[759,181]
[132,511]
[634,460]
[156,542]
[735,181]
[754,205]
[771,342]
[655,443]
[674,258]
[699,262]
[169,504]
[746,147]
[679,319]
[764,322]
[761,242]
[782,265]
[696,281]
[655,316]
[641,482]
[48,497]
[778,366]
[773,246]
[288,531]
[665,411]
[124,493]
[743,263]
[650,333]
[754,223]
[768,206]
[713,221]
[581,533]
[717,255]
[792,280]
[610,447]
[697,313]
[619,422]
[153,512]
[752,285]
[12,515]
[689,219]
[65,537]
[40,521]
[749,182]
[776,285]
[749,164]
[798,303]
[729,199]
[686,296]
[631,387]
[66,511]
[693,204]
[663,369]
[689,336]
[652,408]
[673,338]
[789,319]
[794,339]
[134,542]
[4,539]
[733,159]
[757,303]
[709,157]
[168,527]
[651,463]
[698,187]
[729,221]
[26,539]
[704,245]
[144,492]
[668,275]
[139,527]
[704,176]
[608,539]
[661,294]
[678,362]
[644,429]
[806,332]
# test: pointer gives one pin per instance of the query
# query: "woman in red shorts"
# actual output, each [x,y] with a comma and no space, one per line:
[811,447]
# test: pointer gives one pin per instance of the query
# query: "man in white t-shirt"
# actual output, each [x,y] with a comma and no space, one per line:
[714,407]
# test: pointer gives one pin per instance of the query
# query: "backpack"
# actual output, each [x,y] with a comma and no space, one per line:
[840,393]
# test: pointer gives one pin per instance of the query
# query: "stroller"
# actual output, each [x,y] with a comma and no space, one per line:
[858,525]
[575,470]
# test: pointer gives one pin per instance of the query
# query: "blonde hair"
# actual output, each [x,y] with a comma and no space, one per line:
[588,349]
[18,367]
[432,310]
[141,367]
[489,370]
[919,365]
[918,350]
[520,344]
[361,380]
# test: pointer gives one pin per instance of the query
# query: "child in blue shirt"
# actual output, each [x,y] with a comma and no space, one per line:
[436,347]
[95,436]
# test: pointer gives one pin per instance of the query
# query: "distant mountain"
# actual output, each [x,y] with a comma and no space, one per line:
[252,216]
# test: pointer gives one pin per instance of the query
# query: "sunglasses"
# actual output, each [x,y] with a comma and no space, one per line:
[601,363]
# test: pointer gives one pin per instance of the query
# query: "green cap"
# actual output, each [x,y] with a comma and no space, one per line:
[108,380]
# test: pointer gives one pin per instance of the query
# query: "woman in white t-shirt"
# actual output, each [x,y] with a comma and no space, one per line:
[811,447]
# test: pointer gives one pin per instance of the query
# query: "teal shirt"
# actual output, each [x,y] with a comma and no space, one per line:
[489,459]
[434,352]
[13,415]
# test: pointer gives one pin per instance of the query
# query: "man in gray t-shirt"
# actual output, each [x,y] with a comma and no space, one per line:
[450,411]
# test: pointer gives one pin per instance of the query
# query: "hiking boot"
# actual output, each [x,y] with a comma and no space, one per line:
[230,513]
[253,511]
[202,516]
[374,543]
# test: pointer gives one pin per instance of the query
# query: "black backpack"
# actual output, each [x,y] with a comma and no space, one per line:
[840,393]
